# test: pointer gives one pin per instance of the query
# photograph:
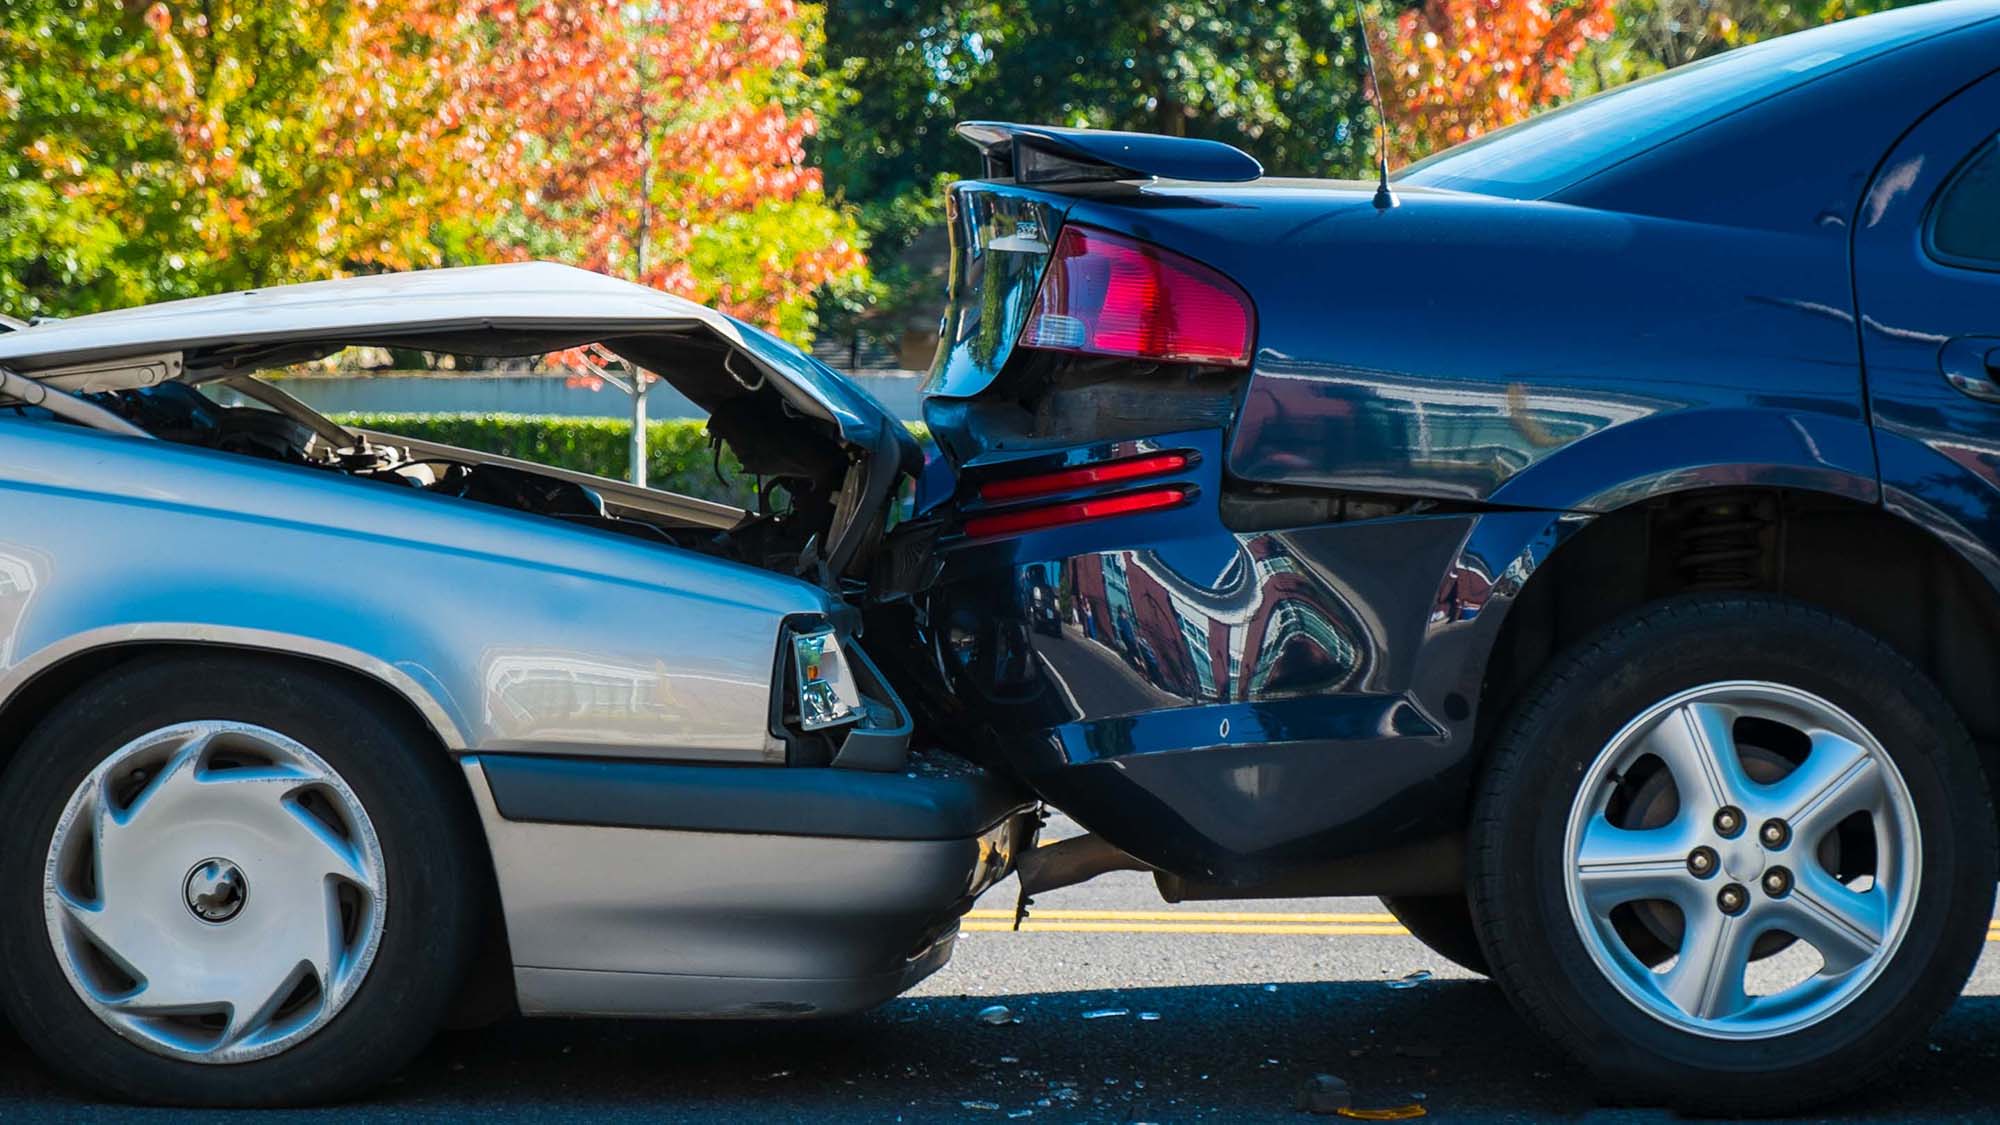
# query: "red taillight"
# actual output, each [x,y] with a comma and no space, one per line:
[1054,515]
[1084,476]
[1110,295]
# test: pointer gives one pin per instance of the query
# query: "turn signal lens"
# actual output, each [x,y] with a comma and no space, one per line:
[1055,515]
[822,683]
[1105,294]
[1083,476]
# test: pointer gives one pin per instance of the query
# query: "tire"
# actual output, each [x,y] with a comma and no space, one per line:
[1444,924]
[1550,876]
[175,736]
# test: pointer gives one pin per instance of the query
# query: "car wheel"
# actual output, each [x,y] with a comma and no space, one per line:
[1734,853]
[230,882]
[1444,924]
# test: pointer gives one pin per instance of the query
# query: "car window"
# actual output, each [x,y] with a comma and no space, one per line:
[1965,220]
[1564,146]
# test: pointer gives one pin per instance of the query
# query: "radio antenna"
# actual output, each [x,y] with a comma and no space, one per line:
[1385,198]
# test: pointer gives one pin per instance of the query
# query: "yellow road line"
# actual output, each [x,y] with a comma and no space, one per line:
[1185,916]
[1056,921]
[1179,928]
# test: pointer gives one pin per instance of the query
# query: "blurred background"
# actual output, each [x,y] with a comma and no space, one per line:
[782,161]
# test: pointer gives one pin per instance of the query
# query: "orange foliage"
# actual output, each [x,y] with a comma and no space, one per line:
[1460,68]
[315,139]
[662,119]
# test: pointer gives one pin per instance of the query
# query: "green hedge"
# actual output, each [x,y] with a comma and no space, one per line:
[678,457]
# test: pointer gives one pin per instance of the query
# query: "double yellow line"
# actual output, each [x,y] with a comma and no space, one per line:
[1205,922]
[1183,922]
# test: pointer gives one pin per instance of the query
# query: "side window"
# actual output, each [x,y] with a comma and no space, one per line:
[1965,222]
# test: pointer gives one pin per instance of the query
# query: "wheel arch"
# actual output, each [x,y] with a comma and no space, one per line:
[38,689]
[61,666]
[1886,573]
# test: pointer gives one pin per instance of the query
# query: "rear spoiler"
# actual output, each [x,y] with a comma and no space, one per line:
[9,324]
[1049,154]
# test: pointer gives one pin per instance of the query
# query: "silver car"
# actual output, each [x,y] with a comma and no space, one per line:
[313,734]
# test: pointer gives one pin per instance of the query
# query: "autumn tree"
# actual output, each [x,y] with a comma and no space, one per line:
[1653,35]
[665,142]
[159,151]
[154,151]
[1454,69]
[1280,79]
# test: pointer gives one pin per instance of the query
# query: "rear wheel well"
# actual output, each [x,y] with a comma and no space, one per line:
[38,698]
[1853,559]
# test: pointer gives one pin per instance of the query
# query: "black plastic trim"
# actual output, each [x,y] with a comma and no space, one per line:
[757,800]
[1098,154]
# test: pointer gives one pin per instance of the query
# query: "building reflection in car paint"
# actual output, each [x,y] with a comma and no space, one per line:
[1261,627]
[551,697]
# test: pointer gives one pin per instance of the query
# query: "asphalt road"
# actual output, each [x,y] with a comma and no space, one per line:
[1128,1010]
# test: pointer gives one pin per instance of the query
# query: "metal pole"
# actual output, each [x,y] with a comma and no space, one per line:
[639,247]
[638,427]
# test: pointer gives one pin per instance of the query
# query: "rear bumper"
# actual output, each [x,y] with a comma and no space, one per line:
[660,890]
[1230,706]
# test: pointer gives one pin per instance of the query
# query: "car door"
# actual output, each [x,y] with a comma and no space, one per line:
[1927,286]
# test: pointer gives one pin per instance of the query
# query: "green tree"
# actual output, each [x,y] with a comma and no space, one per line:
[1654,35]
[189,146]
[1278,79]
[166,150]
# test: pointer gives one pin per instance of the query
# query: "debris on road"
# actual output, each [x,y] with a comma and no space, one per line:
[1324,1094]
[1106,1013]
[998,1015]
[1412,980]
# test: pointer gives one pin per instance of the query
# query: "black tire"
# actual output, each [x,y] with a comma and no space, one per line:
[404,781]
[1444,924]
[1535,770]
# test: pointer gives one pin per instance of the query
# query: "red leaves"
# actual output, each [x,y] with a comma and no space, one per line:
[1460,68]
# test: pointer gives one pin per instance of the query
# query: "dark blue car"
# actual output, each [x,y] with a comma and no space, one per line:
[1589,546]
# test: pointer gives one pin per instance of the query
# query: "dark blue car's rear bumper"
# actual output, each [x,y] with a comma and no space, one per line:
[1230,706]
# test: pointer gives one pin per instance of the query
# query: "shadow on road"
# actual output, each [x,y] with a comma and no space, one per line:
[1233,1053]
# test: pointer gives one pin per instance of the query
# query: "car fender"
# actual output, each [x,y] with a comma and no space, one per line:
[1813,451]
[517,633]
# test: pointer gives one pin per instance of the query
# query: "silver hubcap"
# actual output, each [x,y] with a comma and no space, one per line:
[149,902]
[1742,860]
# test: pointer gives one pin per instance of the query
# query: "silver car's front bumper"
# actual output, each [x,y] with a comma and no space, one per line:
[634,889]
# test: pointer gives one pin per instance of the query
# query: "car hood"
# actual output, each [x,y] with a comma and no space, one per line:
[471,308]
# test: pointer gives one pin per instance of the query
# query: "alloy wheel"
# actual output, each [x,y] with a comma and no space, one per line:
[1791,884]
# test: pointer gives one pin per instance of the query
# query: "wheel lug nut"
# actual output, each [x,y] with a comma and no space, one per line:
[1732,898]
[1729,820]
[1777,882]
[1702,862]
[1775,833]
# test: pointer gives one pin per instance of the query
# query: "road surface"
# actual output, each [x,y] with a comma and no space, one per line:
[1128,1010]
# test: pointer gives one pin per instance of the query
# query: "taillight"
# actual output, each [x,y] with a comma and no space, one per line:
[1083,476]
[1055,515]
[1106,294]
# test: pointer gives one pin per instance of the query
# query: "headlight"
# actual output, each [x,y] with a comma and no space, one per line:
[823,682]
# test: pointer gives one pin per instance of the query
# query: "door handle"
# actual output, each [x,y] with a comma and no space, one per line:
[1972,364]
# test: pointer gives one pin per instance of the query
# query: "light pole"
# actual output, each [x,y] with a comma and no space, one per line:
[638,382]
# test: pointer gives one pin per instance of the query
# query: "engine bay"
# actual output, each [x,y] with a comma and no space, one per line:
[798,494]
